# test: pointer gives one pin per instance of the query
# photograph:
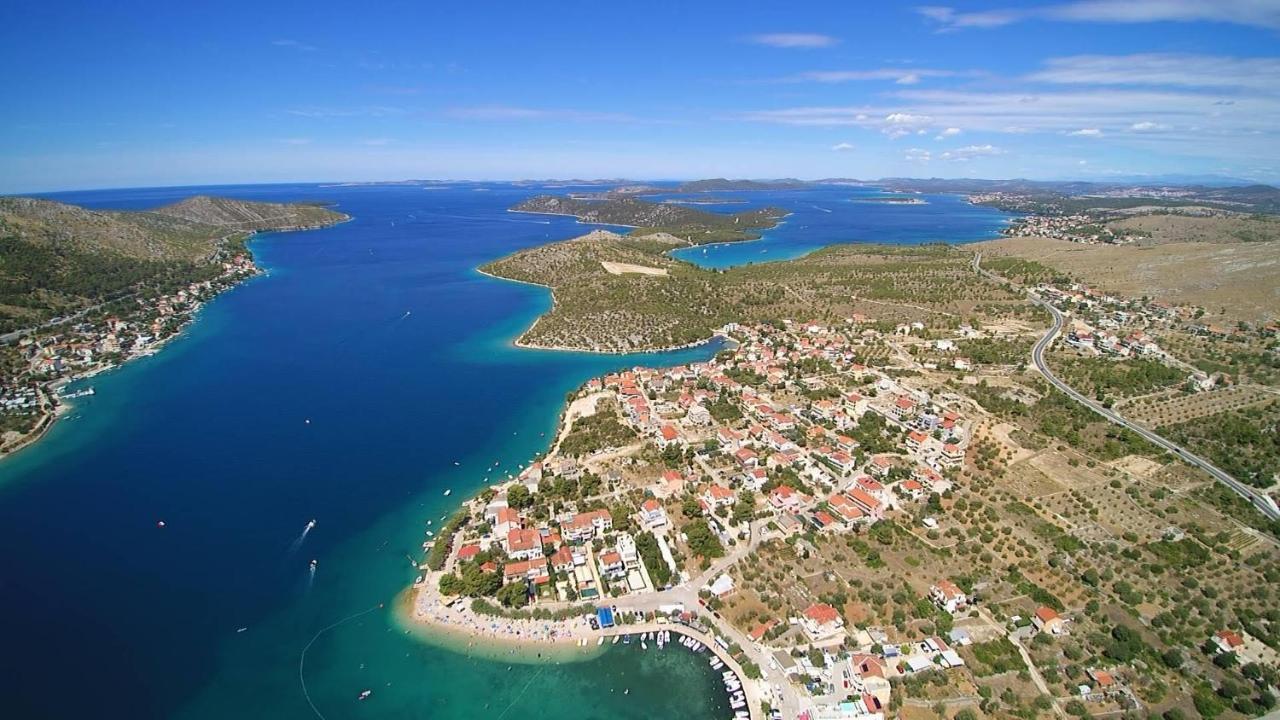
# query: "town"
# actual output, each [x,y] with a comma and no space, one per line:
[730,496]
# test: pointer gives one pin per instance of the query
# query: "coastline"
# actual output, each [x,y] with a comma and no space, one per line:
[50,388]
[523,344]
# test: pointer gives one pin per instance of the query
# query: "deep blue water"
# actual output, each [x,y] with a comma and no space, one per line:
[380,332]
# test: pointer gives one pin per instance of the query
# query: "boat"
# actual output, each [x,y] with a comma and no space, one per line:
[313,566]
[240,630]
[311,525]
[615,640]
[600,641]
[644,645]
[364,695]
[448,492]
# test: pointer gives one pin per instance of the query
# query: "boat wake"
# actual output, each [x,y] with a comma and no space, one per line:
[296,545]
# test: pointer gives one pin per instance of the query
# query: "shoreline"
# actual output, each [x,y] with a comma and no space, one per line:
[523,344]
[51,387]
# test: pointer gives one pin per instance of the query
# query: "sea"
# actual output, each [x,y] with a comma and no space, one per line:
[155,563]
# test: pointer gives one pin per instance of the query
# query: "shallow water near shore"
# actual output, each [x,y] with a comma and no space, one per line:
[379,333]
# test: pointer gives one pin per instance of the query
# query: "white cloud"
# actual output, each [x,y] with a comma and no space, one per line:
[1086,132]
[793,40]
[1165,69]
[501,113]
[970,152]
[949,132]
[294,45]
[901,76]
[1255,13]
[1148,126]
[842,147]
[917,155]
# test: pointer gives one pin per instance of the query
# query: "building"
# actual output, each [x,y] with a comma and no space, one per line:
[652,515]
[523,544]
[1047,620]
[821,622]
[948,596]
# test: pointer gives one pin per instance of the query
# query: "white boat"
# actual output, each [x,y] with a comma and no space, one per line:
[448,492]
[365,695]
[311,525]
[600,641]
[644,645]
[313,565]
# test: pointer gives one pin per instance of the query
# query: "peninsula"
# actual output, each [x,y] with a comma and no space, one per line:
[878,498]
[83,290]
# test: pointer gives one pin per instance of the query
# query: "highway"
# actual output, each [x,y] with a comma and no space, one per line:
[1260,500]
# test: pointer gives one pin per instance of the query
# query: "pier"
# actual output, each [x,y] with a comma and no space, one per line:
[749,687]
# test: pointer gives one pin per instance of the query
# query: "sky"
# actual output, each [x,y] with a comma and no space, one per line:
[130,93]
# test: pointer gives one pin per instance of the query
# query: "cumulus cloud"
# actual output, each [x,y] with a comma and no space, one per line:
[793,40]
[842,147]
[948,132]
[1086,132]
[1148,126]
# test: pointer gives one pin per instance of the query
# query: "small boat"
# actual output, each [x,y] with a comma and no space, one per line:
[311,525]
[615,640]
[160,524]
[364,695]
[644,645]
[240,630]
[448,492]
[600,641]
[313,565]
[455,462]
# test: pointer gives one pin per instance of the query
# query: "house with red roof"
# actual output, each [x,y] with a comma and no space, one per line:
[948,596]
[1046,619]
[821,622]
[716,495]
[522,544]
[651,514]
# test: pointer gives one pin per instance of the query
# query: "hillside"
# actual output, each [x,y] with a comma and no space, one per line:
[694,226]
[56,258]
[1232,280]
[596,309]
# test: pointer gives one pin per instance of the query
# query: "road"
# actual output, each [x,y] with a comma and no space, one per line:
[1260,500]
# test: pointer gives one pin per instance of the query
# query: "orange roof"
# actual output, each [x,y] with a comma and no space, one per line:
[821,613]
[669,433]
[1046,614]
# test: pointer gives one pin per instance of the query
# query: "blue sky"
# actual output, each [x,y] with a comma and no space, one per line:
[136,93]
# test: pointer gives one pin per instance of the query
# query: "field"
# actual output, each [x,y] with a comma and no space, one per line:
[1233,281]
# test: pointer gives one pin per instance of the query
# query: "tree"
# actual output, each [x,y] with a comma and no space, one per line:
[519,497]
[513,595]
[1172,658]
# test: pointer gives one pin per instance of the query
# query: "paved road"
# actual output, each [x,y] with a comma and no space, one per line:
[1260,500]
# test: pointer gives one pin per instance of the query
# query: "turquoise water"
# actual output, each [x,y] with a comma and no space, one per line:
[383,336]
[828,214]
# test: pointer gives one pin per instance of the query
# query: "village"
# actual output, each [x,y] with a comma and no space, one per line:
[38,366]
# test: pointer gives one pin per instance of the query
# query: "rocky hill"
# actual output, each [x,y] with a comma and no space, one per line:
[56,258]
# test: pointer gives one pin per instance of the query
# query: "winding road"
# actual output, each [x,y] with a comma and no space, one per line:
[1260,500]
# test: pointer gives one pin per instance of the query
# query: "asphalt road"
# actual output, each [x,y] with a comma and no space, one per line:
[1261,501]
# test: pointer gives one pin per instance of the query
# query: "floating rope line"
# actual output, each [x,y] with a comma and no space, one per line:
[302,659]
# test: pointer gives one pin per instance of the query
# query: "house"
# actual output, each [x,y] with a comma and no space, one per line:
[651,514]
[534,569]
[562,560]
[1046,619]
[866,503]
[747,457]
[588,525]
[1228,641]
[902,408]
[785,498]
[523,544]
[467,552]
[611,563]
[672,483]
[821,622]
[721,586]
[698,415]
[880,465]
[505,520]
[846,509]
[952,455]
[716,495]
[667,436]
[948,596]
[915,439]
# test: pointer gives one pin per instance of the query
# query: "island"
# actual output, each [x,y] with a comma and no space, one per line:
[886,491]
[690,225]
[84,291]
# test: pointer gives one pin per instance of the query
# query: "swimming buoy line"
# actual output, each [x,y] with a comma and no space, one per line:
[522,690]
[303,657]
